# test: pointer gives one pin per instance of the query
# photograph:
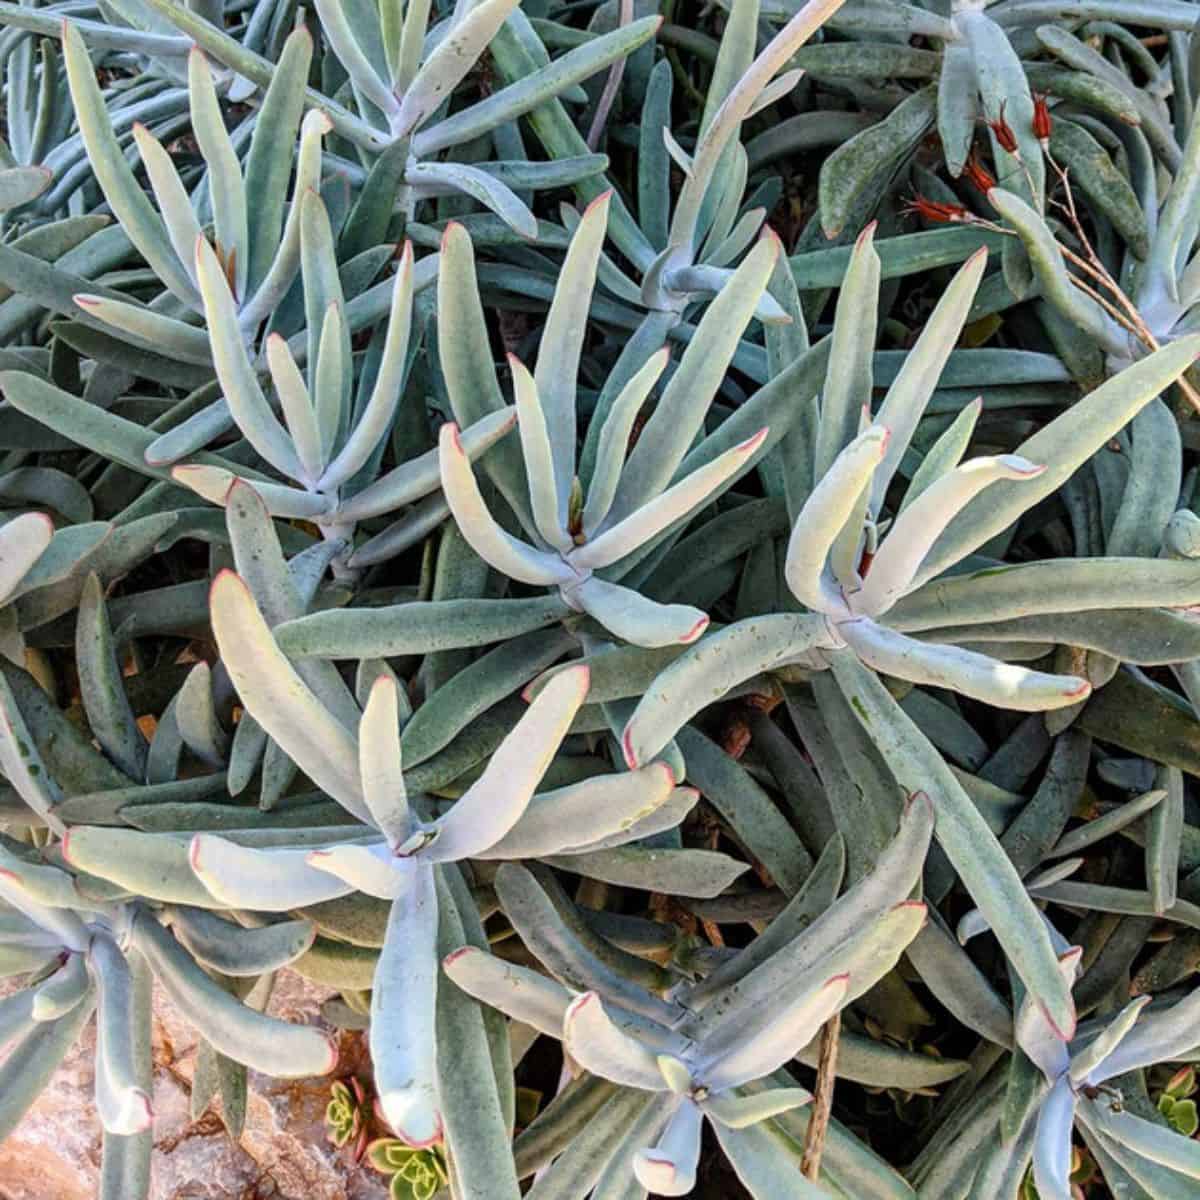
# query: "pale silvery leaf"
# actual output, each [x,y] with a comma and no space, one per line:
[790,1030]
[403,1012]
[1052,1143]
[494,802]
[374,869]
[124,1106]
[520,993]
[239,383]
[582,814]
[269,880]
[653,517]
[669,1168]
[1036,1035]
[63,991]
[740,1112]
[492,543]
[1091,1058]
[1157,1037]
[825,512]
[592,1039]
[278,699]
[1004,685]
[380,764]
[633,617]
[912,535]
[1147,1139]
[22,541]
[376,418]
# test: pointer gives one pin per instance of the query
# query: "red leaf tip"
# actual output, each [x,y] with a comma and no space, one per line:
[627,749]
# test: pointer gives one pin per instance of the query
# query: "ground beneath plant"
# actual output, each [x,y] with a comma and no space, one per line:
[54,1154]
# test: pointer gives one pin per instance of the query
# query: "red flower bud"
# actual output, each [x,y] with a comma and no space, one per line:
[1004,134]
[1041,119]
[978,174]
[934,210]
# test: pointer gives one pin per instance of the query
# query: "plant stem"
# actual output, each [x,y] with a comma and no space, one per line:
[818,1123]
[1091,263]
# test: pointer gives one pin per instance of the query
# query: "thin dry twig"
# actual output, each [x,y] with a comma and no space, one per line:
[818,1122]
[612,84]
[1120,308]
[1091,263]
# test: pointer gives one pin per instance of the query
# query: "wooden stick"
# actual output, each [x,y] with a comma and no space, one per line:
[818,1123]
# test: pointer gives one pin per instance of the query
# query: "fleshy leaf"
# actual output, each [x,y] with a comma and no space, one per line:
[494,803]
[278,699]
[594,1041]
[403,1008]
[669,1169]
[518,992]
[823,516]
[480,528]
[379,761]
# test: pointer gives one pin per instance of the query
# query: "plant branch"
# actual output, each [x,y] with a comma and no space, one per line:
[818,1123]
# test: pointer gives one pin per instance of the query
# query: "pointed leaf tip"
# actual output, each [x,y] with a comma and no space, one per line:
[657,1175]
[1067,1034]
[580,679]
[462,952]
[225,580]
[578,1005]
[601,201]
[911,904]
[631,760]
[454,230]
[755,440]
[919,799]
[1072,953]
[242,489]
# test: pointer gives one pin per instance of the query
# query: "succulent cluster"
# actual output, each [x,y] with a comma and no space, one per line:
[775,709]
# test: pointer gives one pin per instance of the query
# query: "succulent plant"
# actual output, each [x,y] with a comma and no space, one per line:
[257,247]
[700,1044]
[702,1085]
[416,1174]
[1078,1091]
[346,1115]
[847,579]
[1056,1087]
[319,449]
[494,818]
[628,502]
[401,74]
[1176,1103]
[91,951]
[706,229]
[335,640]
